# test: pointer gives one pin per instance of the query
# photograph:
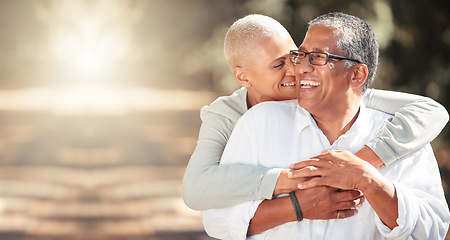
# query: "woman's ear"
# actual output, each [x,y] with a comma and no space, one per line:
[359,76]
[241,77]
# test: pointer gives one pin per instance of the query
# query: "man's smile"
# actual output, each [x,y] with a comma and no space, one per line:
[309,84]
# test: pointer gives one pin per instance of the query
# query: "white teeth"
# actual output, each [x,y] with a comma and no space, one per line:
[309,84]
[288,84]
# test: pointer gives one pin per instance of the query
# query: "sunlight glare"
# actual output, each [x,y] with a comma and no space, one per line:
[89,44]
[90,63]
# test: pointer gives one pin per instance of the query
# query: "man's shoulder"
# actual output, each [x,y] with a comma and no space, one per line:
[267,113]
[274,106]
[377,115]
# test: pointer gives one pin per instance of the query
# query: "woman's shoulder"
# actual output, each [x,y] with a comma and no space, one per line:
[231,107]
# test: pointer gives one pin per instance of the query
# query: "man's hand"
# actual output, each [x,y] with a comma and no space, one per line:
[328,203]
[315,203]
[339,169]
[320,202]
[344,170]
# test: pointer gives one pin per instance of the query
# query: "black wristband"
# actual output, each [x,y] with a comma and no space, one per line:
[298,211]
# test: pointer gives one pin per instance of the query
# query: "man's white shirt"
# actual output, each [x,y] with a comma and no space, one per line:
[277,134]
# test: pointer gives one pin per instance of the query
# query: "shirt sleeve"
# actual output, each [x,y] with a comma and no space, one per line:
[206,185]
[422,208]
[416,121]
[229,223]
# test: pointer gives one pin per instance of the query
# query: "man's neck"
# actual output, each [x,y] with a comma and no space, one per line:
[336,123]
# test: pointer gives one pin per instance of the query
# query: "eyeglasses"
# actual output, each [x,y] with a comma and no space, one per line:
[315,58]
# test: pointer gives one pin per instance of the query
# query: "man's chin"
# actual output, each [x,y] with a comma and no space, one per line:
[305,103]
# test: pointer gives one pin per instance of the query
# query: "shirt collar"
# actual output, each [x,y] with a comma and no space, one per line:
[304,119]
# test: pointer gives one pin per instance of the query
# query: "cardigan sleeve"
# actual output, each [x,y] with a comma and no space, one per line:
[416,121]
[207,185]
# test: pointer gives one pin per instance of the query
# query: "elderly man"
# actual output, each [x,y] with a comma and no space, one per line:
[334,66]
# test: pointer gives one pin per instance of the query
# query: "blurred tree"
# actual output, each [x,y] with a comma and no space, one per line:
[420,49]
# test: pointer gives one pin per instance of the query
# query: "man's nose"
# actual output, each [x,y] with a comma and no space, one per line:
[304,66]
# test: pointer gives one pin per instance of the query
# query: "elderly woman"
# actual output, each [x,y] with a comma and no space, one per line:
[257,50]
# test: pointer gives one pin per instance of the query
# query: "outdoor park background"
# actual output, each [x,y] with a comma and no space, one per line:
[99,102]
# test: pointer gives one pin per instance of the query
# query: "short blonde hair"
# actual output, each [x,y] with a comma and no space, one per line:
[244,33]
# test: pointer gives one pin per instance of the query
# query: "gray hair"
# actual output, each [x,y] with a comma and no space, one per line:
[356,39]
[245,33]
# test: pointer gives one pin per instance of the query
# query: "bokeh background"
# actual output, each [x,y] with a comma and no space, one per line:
[99,102]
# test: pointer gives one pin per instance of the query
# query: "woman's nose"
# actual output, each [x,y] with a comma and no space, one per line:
[290,69]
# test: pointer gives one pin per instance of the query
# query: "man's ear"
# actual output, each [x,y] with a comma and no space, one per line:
[359,76]
[240,76]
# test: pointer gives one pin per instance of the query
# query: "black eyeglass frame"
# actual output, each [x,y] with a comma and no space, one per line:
[291,56]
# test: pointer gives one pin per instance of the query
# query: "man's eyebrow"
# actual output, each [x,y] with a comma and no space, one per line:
[318,50]
[314,49]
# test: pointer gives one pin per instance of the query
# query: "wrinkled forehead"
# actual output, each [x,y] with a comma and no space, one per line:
[320,38]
